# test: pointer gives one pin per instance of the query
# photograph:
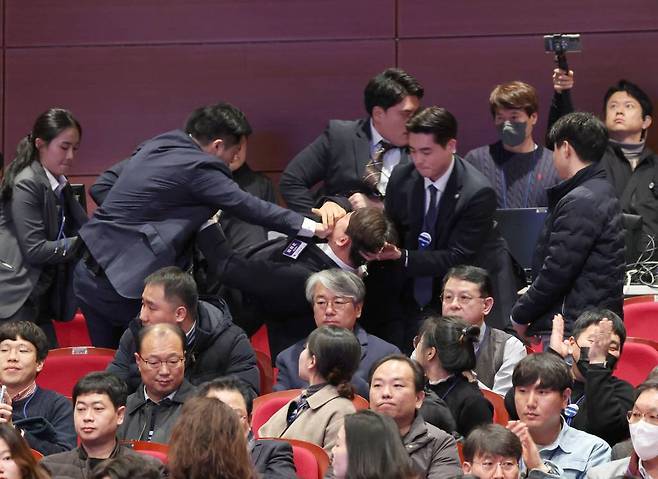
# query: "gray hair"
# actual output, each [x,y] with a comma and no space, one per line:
[343,283]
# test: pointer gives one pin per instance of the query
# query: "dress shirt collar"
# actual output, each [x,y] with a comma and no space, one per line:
[326,249]
[442,181]
[562,441]
[376,137]
[643,472]
[55,183]
[170,397]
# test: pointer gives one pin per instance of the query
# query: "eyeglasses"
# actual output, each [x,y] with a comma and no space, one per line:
[338,303]
[635,416]
[462,299]
[156,364]
[490,466]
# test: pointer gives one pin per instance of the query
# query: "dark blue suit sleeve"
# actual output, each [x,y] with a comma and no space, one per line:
[305,170]
[105,182]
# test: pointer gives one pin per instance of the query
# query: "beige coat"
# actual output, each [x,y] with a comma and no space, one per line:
[318,424]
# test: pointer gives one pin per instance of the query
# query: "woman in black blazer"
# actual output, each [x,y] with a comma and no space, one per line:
[39,221]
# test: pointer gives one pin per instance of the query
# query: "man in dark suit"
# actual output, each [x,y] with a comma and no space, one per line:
[443,210]
[355,158]
[337,298]
[272,278]
[170,187]
[272,459]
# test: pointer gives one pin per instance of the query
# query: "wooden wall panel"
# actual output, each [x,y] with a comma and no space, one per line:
[463,72]
[124,95]
[433,18]
[102,22]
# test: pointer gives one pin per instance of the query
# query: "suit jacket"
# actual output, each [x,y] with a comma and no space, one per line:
[465,233]
[29,246]
[318,424]
[273,459]
[372,350]
[272,283]
[337,158]
[167,190]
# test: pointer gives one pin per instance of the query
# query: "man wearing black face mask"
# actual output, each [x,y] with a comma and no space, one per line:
[518,168]
[271,277]
[599,400]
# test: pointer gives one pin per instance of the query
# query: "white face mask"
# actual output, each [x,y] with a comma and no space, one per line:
[644,437]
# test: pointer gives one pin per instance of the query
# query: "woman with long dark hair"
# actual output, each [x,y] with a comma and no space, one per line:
[16,459]
[331,357]
[445,349]
[39,222]
[369,446]
[208,442]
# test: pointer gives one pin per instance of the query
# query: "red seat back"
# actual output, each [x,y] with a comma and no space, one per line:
[64,366]
[637,360]
[72,333]
[265,371]
[154,449]
[641,319]
[311,461]
[500,412]
[265,406]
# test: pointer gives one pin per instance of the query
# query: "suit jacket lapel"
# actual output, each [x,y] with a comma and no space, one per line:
[49,203]
[416,207]
[362,147]
[448,202]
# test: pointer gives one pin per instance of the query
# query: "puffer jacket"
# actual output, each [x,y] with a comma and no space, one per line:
[579,261]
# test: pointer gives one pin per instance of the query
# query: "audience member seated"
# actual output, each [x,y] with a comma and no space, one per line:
[643,424]
[327,363]
[272,279]
[369,445]
[542,389]
[356,158]
[214,345]
[39,223]
[152,410]
[445,351]
[629,163]
[519,169]
[491,451]
[99,406]
[44,417]
[468,294]
[337,298]
[396,390]
[16,459]
[272,459]
[208,441]
[579,260]
[127,467]
[602,399]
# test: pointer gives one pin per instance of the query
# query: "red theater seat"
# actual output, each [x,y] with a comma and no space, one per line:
[154,449]
[72,333]
[637,360]
[641,318]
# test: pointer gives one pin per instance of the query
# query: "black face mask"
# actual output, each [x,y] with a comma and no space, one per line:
[583,362]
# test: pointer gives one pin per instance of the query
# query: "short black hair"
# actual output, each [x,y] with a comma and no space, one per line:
[28,331]
[549,369]
[220,121]
[337,356]
[177,284]
[416,369]
[101,382]
[159,329]
[472,274]
[586,134]
[492,439]
[436,121]
[594,316]
[389,88]
[228,383]
[648,385]
[453,338]
[632,90]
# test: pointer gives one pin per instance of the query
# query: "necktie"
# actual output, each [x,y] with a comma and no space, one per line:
[373,171]
[423,284]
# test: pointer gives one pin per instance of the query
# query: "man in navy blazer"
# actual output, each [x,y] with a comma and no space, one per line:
[170,187]
[272,459]
[339,156]
[337,299]
[457,228]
